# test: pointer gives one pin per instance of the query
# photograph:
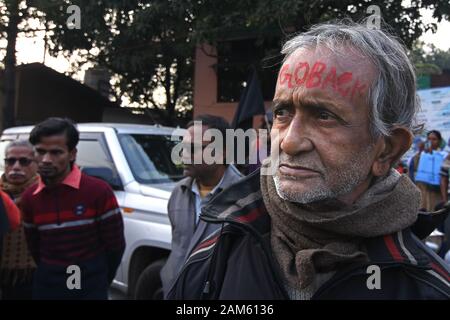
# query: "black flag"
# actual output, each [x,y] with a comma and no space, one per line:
[250,104]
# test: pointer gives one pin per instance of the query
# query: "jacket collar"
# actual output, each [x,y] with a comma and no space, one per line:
[230,176]
[400,247]
[242,203]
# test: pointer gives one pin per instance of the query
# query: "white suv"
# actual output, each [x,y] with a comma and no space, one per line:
[136,161]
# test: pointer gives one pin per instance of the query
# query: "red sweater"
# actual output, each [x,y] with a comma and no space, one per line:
[73,222]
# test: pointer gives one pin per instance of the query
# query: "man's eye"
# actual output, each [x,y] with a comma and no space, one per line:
[325,116]
[281,113]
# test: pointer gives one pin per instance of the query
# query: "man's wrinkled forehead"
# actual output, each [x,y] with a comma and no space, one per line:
[20,149]
[346,74]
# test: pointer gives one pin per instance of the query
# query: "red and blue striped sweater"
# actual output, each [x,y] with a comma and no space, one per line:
[74,223]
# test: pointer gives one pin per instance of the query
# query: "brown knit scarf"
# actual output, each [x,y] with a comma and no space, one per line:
[16,263]
[306,242]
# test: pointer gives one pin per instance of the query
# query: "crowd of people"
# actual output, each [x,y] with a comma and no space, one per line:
[333,209]
[66,219]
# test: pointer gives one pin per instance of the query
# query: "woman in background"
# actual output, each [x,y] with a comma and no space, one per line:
[429,165]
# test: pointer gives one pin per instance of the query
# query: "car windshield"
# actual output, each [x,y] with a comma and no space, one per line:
[149,157]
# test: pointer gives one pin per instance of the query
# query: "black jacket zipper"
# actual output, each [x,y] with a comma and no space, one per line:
[265,249]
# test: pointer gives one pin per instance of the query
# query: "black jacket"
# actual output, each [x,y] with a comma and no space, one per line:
[236,262]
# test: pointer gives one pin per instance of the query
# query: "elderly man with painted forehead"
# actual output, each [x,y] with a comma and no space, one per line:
[332,219]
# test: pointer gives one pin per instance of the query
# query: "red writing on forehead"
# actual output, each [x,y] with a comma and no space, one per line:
[302,67]
[319,75]
[315,76]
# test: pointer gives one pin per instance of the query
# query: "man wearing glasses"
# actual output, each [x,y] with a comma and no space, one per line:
[17,265]
[202,182]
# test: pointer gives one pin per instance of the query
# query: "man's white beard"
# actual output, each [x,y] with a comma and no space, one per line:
[349,178]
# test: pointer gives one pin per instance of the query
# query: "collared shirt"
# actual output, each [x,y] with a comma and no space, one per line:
[199,201]
[71,180]
[224,182]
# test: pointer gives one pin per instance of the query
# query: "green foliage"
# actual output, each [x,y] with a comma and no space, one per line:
[428,59]
[150,44]
[145,45]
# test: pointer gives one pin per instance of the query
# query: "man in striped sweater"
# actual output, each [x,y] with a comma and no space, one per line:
[72,221]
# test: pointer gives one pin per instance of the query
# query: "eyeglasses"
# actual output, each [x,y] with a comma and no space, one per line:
[24,162]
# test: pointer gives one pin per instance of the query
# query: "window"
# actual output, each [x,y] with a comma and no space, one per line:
[93,158]
[92,154]
[149,157]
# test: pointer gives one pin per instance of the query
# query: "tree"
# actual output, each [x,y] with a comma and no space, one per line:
[14,16]
[154,50]
[149,45]
[428,59]
[11,30]
[145,45]
[217,18]
[269,22]
[438,57]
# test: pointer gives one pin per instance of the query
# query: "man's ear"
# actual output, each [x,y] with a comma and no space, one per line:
[73,154]
[391,150]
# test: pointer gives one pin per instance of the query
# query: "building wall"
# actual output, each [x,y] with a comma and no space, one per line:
[441,80]
[205,86]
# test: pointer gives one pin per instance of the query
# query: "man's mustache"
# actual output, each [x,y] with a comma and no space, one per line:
[304,161]
[16,173]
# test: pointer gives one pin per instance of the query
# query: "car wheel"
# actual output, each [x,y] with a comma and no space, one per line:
[149,286]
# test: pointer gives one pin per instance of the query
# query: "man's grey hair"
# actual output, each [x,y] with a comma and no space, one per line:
[392,96]
[19,143]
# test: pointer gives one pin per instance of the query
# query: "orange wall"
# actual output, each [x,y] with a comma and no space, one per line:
[205,86]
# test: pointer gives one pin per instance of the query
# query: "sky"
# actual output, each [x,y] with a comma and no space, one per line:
[441,38]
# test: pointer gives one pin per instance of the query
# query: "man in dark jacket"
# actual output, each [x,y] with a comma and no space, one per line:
[326,217]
